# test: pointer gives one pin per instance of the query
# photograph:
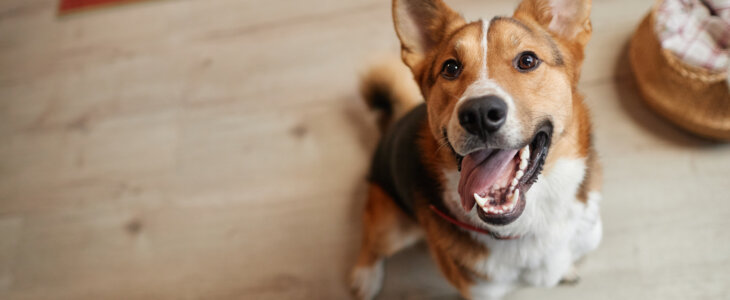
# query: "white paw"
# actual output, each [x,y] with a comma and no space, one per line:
[543,278]
[367,281]
[570,278]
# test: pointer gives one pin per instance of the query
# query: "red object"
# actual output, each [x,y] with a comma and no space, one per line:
[469,227]
[72,5]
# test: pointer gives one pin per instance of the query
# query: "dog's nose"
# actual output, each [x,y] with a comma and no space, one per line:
[482,116]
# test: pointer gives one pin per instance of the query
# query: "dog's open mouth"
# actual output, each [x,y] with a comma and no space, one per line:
[497,179]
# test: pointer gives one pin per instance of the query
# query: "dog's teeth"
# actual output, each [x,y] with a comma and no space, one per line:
[481,201]
[514,182]
[516,196]
[519,174]
[523,164]
[525,153]
[505,207]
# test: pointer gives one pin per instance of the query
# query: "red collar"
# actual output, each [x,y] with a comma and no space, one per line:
[463,225]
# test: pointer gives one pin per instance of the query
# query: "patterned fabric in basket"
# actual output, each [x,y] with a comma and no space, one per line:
[696,31]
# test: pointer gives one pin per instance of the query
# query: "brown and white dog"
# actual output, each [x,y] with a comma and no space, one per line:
[496,169]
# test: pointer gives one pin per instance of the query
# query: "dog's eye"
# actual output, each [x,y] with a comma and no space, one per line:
[451,69]
[526,61]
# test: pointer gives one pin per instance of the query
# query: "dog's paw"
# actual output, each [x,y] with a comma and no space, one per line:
[543,277]
[366,282]
[570,278]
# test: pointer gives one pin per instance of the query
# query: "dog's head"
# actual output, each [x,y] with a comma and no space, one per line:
[499,91]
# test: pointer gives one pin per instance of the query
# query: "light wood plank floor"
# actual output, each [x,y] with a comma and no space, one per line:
[217,149]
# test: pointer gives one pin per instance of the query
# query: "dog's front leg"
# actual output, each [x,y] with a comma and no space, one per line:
[553,269]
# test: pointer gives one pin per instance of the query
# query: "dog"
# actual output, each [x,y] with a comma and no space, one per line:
[496,169]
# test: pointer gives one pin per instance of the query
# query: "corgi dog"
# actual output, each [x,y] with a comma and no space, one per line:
[495,168]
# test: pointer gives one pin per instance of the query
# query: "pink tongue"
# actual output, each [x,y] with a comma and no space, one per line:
[479,171]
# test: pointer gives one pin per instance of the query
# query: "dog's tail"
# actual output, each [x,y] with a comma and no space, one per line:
[389,88]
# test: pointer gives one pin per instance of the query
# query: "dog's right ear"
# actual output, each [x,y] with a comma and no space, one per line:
[565,19]
[421,25]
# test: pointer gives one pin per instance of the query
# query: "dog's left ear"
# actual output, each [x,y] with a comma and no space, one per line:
[565,19]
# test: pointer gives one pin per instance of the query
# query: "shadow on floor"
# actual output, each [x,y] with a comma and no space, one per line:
[412,274]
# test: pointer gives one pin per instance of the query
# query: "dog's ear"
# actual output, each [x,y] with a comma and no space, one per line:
[421,25]
[565,19]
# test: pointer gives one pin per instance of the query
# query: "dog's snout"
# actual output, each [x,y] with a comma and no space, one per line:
[483,115]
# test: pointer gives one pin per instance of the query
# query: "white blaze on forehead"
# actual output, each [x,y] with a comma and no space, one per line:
[485,28]
[510,133]
[483,85]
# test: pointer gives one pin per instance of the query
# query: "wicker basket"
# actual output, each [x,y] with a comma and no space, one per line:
[692,98]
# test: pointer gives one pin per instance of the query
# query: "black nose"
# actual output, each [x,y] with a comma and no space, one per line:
[482,116]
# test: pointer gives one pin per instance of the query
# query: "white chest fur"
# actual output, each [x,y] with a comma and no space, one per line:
[555,231]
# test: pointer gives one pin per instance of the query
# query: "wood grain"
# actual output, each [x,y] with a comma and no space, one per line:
[217,149]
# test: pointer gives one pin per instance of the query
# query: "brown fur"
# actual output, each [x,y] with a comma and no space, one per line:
[448,36]
[454,250]
[389,79]
[386,229]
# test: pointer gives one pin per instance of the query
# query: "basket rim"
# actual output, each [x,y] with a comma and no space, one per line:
[652,73]
[682,68]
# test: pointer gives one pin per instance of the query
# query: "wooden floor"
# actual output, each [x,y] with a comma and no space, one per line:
[217,149]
